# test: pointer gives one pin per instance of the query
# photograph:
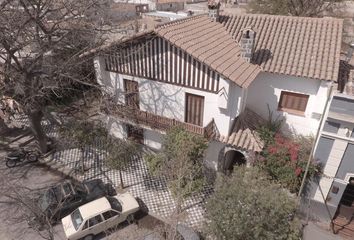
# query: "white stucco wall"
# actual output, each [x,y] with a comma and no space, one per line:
[212,154]
[266,89]
[153,139]
[168,100]
[115,127]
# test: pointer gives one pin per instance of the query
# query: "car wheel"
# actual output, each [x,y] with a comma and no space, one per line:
[130,219]
[88,237]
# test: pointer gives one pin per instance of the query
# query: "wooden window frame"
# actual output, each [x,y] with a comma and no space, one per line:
[291,110]
[201,109]
[137,94]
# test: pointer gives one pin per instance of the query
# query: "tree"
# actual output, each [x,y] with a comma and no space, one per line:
[247,205]
[41,46]
[24,207]
[119,154]
[82,134]
[305,8]
[180,161]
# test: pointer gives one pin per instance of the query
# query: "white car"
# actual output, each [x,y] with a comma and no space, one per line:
[99,215]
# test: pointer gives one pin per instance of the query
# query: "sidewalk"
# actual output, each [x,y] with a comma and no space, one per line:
[314,232]
[153,191]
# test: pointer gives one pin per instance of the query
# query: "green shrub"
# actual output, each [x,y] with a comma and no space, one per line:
[285,160]
[247,206]
[154,163]
[180,161]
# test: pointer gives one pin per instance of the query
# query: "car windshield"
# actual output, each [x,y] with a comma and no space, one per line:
[80,188]
[67,189]
[76,218]
[47,199]
[115,204]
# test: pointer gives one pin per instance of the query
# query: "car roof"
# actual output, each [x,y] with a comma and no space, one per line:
[95,207]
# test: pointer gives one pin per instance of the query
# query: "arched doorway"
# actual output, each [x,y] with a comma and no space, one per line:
[233,158]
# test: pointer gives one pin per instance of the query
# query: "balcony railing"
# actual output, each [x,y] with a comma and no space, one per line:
[136,116]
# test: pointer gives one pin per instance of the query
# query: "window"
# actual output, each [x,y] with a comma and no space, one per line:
[131,93]
[85,225]
[95,220]
[293,102]
[109,214]
[76,218]
[115,204]
[194,109]
[331,127]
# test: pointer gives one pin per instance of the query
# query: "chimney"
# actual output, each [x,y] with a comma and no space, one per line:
[247,43]
[214,7]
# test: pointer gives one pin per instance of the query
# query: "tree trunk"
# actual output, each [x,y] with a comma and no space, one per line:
[121,179]
[35,118]
[83,156]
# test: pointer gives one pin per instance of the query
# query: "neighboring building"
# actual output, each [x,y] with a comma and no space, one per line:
[170,5]
[217,75]
[335,152]
[163,17]
[158,5]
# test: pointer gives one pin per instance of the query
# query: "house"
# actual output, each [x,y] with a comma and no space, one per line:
[159,5]
[332,193]
[218,76]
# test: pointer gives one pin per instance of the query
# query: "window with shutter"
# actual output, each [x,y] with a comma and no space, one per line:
[131,93]
[194,109]
[293,102]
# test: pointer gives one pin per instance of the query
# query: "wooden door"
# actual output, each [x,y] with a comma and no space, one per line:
[194,109]
[131,93]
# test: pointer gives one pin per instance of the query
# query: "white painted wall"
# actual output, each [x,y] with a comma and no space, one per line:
[266,89]
[169,100]
[153,139]
[212,154]
[115,127]
[330,170]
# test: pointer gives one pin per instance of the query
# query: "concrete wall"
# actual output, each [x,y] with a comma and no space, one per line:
[266,89]
[168,100]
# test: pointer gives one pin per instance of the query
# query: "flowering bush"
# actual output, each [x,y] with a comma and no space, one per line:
[285,159]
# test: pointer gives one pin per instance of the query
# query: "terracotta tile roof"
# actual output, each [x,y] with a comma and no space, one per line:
[244,134]
[209,43]
[170,1]
[298,46]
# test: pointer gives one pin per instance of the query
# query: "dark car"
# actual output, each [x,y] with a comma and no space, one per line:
[60,200]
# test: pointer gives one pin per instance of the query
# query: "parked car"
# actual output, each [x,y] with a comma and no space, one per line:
[99,216]
[60,200]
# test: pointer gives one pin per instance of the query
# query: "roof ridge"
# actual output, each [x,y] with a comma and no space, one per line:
[281,16]
[178,21]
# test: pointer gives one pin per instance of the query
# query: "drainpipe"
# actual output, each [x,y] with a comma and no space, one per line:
[312,152]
